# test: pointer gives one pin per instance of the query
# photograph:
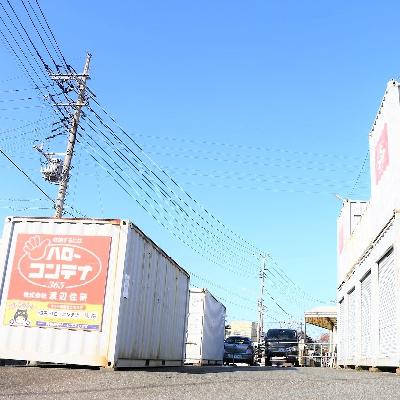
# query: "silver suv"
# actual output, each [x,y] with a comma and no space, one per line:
[238,349]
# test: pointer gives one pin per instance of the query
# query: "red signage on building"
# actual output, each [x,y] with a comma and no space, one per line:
[341,239]
[381,154]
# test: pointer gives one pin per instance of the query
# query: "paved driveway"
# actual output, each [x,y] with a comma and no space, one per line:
[194,383]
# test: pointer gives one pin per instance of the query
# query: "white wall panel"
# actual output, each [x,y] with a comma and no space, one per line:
[206,328]
[366,316]
[388,338]
[351,327]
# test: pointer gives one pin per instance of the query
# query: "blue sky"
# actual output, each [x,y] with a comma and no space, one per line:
[260,110]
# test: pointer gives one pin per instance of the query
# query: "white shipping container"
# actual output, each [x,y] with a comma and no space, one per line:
[205,329]
[368,252]
[371,292]
[384,148]
[89,292]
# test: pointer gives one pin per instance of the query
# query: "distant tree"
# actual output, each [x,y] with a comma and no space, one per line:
[324,338]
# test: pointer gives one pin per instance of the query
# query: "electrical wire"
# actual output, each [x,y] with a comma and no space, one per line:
[241,146]
[186,217]
[221,230]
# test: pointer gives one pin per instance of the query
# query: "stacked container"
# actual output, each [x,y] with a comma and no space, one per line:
[89,292]
[368,252]
[206,329]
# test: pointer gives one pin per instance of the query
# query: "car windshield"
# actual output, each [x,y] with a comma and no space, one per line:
[281,334]
[237,340]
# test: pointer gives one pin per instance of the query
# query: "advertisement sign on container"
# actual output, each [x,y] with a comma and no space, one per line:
[58,281]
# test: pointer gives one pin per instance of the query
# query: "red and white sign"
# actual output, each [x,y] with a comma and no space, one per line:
[381,154]
[59,272]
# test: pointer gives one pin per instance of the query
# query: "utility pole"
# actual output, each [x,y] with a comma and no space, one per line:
[260,328]
[81,101]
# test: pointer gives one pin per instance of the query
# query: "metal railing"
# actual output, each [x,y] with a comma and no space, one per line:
[309,354]
[318,355]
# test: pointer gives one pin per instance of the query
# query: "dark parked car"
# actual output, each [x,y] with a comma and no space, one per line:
[238,349]
[281,345]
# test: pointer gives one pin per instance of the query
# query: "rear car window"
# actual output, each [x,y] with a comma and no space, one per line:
[237,340]
[282,334]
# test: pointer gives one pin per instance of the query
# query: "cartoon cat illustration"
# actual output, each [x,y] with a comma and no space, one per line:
[20,318]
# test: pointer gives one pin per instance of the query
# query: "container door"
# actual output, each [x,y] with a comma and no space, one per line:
[351,327]
[387,308]
[195,327]
[341,334]
[213,329]
[366,316]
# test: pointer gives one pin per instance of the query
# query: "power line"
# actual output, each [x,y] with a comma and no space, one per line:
[233,236]
[137,169]
[26,176]
[37,31]
[51,33]
[23,89]
[183,207]
[249,161]
[157,214]
[241,146]
[357,180]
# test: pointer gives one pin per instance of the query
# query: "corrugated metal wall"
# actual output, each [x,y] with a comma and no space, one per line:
[366,316]
[388,339]
[368,320]
[342,346]
[152,315]
[351,326]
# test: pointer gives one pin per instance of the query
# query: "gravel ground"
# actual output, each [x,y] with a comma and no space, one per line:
[197,383]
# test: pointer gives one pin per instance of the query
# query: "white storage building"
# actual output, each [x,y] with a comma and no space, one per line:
[89,292]
[368,292]
[243,328]
[205,329]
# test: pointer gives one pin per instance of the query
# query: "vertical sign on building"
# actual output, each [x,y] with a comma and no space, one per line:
[58,281]
[381,154]
[341,239]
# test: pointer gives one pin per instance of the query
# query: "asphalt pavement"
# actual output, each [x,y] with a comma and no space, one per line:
[197,383]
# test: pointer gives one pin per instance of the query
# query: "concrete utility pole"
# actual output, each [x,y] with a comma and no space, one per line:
[62,190]
[260,328]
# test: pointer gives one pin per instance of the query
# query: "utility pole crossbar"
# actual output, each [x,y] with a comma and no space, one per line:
[68,77]
[81,101]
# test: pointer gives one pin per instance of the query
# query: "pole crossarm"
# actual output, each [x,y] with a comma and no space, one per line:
[69,77]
